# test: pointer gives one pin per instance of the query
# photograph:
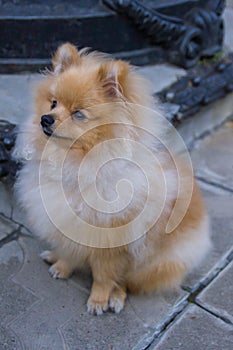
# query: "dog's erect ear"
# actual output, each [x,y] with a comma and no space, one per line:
[65,56]
[113,76]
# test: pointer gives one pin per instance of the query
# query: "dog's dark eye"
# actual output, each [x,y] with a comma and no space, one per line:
[79,115]
[54,104]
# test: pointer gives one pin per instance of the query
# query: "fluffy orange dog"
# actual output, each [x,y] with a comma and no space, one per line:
[93,127]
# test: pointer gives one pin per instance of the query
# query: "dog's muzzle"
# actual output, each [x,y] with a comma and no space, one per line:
[46,122]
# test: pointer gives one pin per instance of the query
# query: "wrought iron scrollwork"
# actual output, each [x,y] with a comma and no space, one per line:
[204,84]
[185,40]
[159,27]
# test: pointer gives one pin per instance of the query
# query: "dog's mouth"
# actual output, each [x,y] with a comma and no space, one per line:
[47,131]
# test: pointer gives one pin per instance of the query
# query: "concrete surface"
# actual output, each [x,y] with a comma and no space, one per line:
[39,313]
[196,329]
[217,146]
[217,297]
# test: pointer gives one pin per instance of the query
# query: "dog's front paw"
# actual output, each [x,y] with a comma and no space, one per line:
[96,307]
[117,299]
[60,270]
[116,304]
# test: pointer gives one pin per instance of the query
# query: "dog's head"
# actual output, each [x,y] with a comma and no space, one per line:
[84,96]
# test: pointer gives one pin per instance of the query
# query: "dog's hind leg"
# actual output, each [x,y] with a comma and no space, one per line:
[49,256]
[60,267]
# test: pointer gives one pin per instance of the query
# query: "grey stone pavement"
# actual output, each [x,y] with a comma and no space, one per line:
[38,312]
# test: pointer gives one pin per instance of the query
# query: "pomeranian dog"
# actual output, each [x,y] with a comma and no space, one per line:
[100,184]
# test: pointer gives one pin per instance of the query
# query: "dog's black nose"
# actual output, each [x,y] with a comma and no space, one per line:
[47,120]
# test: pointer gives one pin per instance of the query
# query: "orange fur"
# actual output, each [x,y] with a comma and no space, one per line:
[100,89]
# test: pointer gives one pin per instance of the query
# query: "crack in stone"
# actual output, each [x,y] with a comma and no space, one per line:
[209,132]
[21,226]
[158,332]
[11,237]
[191,299]
[223,318]
[10,219]
[213,183]
[14,235]
[167,324]
[211,276]
[213,273]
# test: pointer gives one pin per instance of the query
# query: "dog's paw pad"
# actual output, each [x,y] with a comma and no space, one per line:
[48,256]
[116,304]
[96,308]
